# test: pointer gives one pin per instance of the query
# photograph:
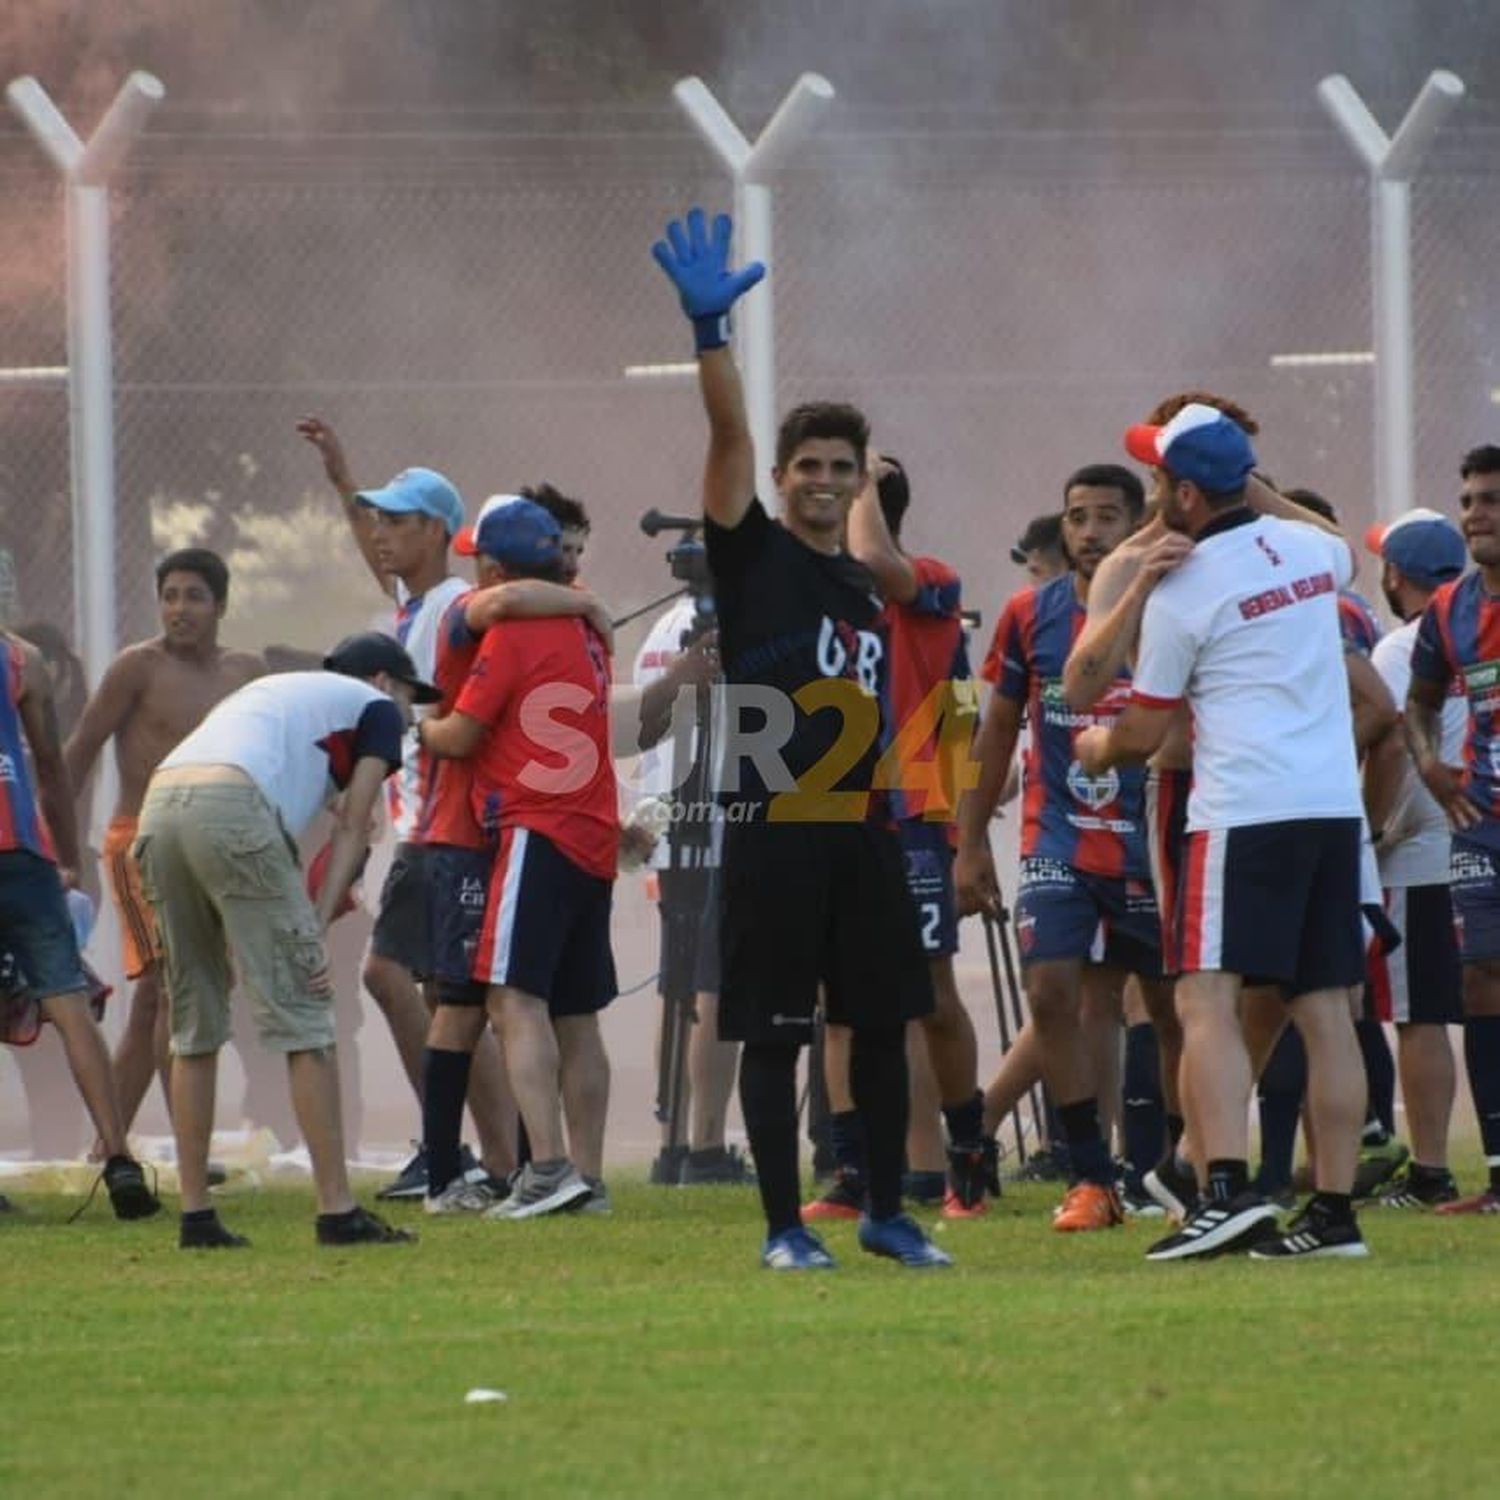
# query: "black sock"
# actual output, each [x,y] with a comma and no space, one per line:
[199,1215]
[1482,1062]
[445,1086]
[965,1122]
[877,1073]
[1144,1113]
[846,1134]
[1380,1079]
[1087,1153]
[1176,1125]
[1282,1082]
[341,1218]
[1227,1179]
[1334,1208]
[768,1101]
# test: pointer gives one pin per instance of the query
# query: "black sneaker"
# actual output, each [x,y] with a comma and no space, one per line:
[360,1227]
[1047,1164]
[1218,1229]
[1379,1162]
[410,1181]
[666,1170]
[1312,1235]
[715,1166]
[991,1149]
[1139,1204]
[1172,1184]
[129,1196]
[925,1189]
[208,1234]
[6,1206]
[1420,1187]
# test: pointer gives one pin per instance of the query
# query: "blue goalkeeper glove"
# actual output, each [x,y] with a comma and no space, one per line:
[698,264]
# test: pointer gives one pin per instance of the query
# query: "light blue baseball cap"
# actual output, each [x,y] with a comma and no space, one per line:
[418,492]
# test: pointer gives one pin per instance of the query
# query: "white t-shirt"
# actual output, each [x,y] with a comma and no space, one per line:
[417,621]
[297,736]
[658,773]
[1414,850]
[1247,630]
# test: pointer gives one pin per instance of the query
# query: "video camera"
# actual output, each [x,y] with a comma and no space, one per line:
[688,562]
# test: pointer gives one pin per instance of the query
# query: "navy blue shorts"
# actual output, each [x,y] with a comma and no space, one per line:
[403,929]
[1063,913]
[546,927]
[458,882]
[1277,903]
[928,854]
[36,927]
[1474,884]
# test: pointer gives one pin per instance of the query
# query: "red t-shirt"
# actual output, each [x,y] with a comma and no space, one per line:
[543,688]
[445,813]
[925,645]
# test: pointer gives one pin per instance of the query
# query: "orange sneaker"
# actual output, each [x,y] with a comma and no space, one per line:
[954,1207]
[1088,1206]
[845,1199]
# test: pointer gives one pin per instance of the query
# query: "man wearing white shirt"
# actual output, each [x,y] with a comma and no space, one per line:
[219,867]
[1420,986]
[1245,631]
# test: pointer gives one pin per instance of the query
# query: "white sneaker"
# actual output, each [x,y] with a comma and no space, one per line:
[461,1197]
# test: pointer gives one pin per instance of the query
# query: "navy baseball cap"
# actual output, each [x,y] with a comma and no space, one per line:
[1199,444]
[418,492]
[372,651]
[513,530]
[1423,544]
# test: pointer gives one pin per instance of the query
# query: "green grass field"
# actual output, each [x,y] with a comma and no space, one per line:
[648,1355]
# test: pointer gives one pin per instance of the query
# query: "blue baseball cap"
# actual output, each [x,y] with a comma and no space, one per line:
[513,530]
[1423,544]
[418,492]
[1199,444]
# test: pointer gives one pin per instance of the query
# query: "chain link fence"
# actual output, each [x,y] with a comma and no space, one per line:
[1001,319]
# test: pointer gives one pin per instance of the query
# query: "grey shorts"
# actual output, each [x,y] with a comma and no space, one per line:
[222,877]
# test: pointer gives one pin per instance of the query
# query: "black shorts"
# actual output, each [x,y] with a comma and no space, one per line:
[1277,903]
[809,904]
[1422,982]
[546,927]
[684,896]
[403,928]
[458,883]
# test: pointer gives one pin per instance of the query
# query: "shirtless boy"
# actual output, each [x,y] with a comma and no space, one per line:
[154,695]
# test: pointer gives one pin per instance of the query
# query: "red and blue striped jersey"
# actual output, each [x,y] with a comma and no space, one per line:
[1093,823]
[1459,639]
[926,655]
[1357,623]
[21,822]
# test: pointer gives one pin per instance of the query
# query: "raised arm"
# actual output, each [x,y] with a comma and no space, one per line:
[1117,600]
[871,542]
[1268,501]
[105,713]
[695,257]
[54,788]
[336,466]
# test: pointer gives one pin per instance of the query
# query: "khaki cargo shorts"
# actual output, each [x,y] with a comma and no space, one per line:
[222,877]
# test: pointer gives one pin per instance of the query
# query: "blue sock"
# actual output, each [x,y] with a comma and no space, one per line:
[1482,1060]
[1145,1117]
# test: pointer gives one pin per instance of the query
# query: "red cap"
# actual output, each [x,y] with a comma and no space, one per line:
[1143,443]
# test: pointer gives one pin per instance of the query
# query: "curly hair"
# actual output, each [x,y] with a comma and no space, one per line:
[1164,411]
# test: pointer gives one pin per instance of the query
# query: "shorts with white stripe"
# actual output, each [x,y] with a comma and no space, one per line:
[1275,902]
[546,927]
[1421,983]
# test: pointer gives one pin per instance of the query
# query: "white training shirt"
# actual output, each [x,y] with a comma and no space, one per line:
[1415,848]
[297,736]
[417,621]
[660,772]
[1247,630]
